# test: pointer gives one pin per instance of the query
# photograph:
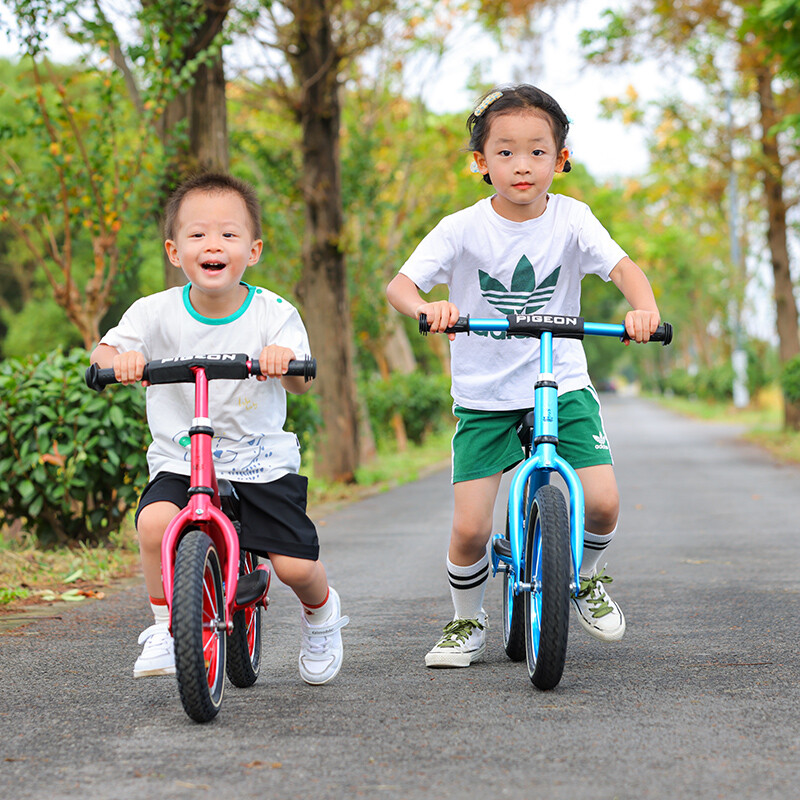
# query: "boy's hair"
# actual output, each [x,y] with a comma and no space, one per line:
[510,99]
[212,183]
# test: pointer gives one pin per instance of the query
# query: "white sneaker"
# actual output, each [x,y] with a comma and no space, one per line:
[462,643]
[321,650]
[598,614]
[158,655]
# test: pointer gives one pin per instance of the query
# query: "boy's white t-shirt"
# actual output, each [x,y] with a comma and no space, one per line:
[495,267]
[248,416]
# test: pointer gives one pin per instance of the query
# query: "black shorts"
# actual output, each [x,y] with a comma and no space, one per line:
[273,515]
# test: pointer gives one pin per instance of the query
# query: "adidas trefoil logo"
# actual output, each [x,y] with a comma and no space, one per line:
[602,442]
[523,296]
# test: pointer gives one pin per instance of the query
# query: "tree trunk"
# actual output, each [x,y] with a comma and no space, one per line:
[785,304]
[323,285]
[204,107]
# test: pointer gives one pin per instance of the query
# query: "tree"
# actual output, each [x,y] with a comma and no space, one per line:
[703,32]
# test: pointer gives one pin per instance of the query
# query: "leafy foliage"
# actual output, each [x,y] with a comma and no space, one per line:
[422,400]
[790,380]
[72,462]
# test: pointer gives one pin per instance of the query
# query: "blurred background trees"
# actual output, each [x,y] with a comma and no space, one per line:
[313,103]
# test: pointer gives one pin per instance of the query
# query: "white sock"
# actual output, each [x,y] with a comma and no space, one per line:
[160,612]
[317,615]
[594,545]
[468,586]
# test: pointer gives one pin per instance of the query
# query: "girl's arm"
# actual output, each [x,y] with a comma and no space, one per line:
[642,321]
[404,295]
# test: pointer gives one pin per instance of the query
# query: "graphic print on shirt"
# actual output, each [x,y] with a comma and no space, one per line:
[248,453]
[523,296]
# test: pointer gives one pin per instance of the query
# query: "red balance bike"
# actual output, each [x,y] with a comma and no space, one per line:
[215,591]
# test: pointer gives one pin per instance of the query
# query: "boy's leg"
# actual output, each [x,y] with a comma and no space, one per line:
[598,614]
[464,639]
[157,657]
[321,651]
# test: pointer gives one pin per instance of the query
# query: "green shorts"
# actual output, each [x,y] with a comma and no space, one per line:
[486,442]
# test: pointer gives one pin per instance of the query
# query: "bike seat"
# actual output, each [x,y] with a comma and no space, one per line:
[228,499]
[525,429]
[251,587]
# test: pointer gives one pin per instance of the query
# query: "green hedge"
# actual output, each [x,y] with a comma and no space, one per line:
[72,462]
[422,400]
[790,380]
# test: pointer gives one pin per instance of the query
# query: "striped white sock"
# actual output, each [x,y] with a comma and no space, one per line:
[594,546]
[468,586]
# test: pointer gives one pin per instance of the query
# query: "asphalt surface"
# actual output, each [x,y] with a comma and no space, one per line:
[699,700]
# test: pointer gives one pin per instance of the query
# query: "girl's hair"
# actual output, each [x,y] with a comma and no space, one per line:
[510,99]
[213,183]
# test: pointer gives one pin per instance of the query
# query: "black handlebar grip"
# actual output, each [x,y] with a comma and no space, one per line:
[307,367]
[462,326]
[662,334]
[98,379]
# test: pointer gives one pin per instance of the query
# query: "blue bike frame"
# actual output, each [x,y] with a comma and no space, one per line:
[544,459]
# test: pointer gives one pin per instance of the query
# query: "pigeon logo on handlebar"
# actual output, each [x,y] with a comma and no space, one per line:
[548,319]
[210,357]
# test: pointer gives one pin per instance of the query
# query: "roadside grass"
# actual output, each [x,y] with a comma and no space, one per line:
[30,575]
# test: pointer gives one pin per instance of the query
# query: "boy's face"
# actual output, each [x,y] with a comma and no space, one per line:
[213,241]
[521,157]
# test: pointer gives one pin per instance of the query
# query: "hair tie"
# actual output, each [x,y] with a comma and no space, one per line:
[486,102]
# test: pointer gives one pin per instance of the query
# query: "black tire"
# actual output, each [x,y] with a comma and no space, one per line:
[244,642]
[198,616]
[547,564]
[513,616]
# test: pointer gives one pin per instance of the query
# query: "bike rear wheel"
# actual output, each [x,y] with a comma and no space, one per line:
[198,626]
[547,570]
[513,615]
[244,641]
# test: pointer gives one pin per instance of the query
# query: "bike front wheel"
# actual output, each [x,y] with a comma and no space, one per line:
[547,570]
[244,641]
[198,626]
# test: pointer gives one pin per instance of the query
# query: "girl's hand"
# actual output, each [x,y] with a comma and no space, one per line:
[274,361]
[640,325]
[441,315]
[129,366]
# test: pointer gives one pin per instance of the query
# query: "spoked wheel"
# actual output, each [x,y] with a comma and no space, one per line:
[198,626]
[513,614]
[244,642]
[547,569]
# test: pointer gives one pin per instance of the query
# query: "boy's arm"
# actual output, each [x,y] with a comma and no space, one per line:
[404,295]
[643,320]
[128,366]
[274,361]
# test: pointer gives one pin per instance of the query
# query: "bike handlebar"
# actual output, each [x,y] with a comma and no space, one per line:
[230,366]
[533,325]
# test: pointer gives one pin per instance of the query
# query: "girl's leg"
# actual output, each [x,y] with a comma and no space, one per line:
[464,639]
[597,612]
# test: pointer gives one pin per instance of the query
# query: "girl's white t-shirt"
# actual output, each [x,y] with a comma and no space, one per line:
[495,267]
[248,416]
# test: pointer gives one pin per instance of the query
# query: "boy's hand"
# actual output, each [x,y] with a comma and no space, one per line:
[441,315]
[640,325]
[129,366]
[274,361]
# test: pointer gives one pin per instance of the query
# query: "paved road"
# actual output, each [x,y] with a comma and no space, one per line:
[699,700]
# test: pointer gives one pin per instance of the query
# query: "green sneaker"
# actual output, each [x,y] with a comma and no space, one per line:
[598,614]
[463,642]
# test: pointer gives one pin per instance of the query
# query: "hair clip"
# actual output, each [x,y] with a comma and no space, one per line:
[487,101]
[473,167]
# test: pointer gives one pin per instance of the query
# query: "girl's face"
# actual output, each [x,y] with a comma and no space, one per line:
[521,157]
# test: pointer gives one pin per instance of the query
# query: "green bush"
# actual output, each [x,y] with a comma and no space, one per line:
[303,416]
[72,462]
[790,380]
[422,400]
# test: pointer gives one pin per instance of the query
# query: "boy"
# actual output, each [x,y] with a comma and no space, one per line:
[213,233]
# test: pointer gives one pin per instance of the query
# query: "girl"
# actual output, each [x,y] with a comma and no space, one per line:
[523,250]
